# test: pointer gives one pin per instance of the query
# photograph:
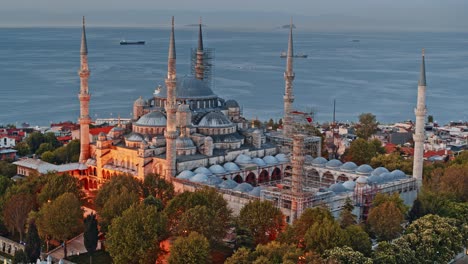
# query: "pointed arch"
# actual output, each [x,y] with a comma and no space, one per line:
[276,174]
[328,179]
[238,179]
[312,178]
[342,178]
[251,178]
[263,177]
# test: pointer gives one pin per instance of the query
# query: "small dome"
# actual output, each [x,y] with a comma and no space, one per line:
[364,169]
[231,166]
[228,184]
[232,104]
[259,162]
[200,178]
[217,169]
[214,181]
[337,188]
[139,102]
[135,137]
[243,187]
[152,119]
[214,119]
[387,177]
[349,185]
[183,108]
[203,170]
[184,143]
[310,159]
[398,174]
[282,157]
[243,159]
[334,163]
[255,191]
[362,180]
[270,160]
[375,179]
[348,166]
[379,171]
[319,161]
[186,174]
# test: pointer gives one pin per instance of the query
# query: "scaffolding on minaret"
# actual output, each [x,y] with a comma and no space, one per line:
[208,65]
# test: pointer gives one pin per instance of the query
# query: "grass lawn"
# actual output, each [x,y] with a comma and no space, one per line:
[99,257]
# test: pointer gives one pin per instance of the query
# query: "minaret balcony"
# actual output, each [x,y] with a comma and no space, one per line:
[419,137]
[420,112]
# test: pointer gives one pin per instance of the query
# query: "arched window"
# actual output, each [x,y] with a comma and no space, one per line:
[327,179]
[251,179]
[276,174]
[312,178]
[263,177]
[238,179]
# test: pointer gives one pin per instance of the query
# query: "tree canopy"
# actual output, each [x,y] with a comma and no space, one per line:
[385,220]
[367,126]
[362,151]
[193,249]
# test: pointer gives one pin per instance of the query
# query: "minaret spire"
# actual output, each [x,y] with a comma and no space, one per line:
[84,98]
[288,91]
[199,66]
[171,109]
[419,135]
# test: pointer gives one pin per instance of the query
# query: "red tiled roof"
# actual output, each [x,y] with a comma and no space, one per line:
[64,138]
[390,148]
[95,131]
[431,153]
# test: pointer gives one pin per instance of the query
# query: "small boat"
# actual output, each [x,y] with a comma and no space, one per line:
[355,40]
[125,42]
[298,55]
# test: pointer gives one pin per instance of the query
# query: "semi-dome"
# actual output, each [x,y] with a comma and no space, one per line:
[282,157]
[228,184]
[231,166]
[184,143]
[361,180]
[134,137]
[259,161]
[186,174]
[379,171]
[270,160]
[398,174]
[214,181]
[334,163]
[375,179]
[348,166]
[152,119]
[349,185]
[200,178]
[188,87]
[214,119]
[243,159]
[310,159]
[319,161]
[203,170]
[255,191]
[387,176]
[139,102]
[243,187]
[364,169]
[337,188]
[232,103]
[217,169]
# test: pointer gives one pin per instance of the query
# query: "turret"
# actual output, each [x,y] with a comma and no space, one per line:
[419,137]
[288,91]
[84,98]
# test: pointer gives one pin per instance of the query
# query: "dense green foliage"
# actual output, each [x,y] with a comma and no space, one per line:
[346,255]
[362,151]
[158,187]
[91,234]
[367,126]
[33,243]
[58,184]
[16,210]
[7,169]
[193,249]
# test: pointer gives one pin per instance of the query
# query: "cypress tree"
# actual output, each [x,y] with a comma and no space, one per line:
[33,243]
[91,235]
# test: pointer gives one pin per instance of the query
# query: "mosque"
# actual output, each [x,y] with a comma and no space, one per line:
[194,138]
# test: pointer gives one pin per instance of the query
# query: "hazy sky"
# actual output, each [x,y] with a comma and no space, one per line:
[427,15]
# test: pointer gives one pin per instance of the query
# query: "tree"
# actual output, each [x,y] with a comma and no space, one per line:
[134,237]
[241,256]
[397,252]
[367,126]
[22,148]
[49,157]
[5,183]
[7,169]
[114,186]
[34,140]
[325,235]
[158,187]
[346,255]
[16,210]
[435,239]
[20,257]
[359,240]
[394,198]
[202,220]
[385,221]
[194,249]
[151,200]
[115,206]
[50,138]
[392,161]
[33,243]
[44,147]
[416,211]
[262,219]
[61,218]
[430,119]
[454,182]
[276,252]
[362,151]
[91,235]
[347,217]
[58,184]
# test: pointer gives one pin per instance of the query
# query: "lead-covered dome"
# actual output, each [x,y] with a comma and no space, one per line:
[134,137]
[243,187]
[232,104]
[282,157]
[364,169]
[199,177]
[319,161]
[188,87]
[334,163]
[259,161]
[217,169]
[152,119]
[398,174]
[186,174]
[348,166]
[337,188]
[349,185]
[231,166]
[203,170]
[184,143]
[214,119]
[228,184]
[243,159]
[379,171]
[270,160]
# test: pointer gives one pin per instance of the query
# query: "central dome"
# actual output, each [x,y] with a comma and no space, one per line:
[188,87]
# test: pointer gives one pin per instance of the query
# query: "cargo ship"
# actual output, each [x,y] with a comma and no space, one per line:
[125,42]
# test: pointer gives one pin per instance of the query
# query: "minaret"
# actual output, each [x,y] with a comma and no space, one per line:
[419,136]
[288,91]
[84,97]
[171,109]
[199,67]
